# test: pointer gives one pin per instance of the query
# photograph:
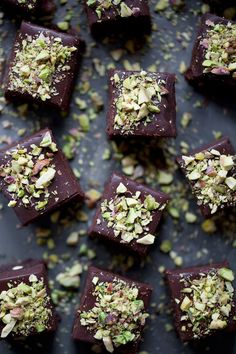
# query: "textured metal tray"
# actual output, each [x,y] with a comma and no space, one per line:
[170,45]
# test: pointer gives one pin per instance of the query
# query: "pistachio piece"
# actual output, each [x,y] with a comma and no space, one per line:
[226,273]
[146,240]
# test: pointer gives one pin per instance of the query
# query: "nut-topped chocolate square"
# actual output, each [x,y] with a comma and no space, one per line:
[211,172]
[36,178]
[26,307]
[129,17]
[43,67]
[203,300]
[141,104]
[129,214]
[112,312]
[213,57]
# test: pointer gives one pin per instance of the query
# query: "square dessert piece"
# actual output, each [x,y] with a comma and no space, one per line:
[112,312]
[25,303]
[128,214]
[203,300]
[28,8]
[43,67]
[213,57]
[141,104]
[129,17]
[36,177]
[211,172]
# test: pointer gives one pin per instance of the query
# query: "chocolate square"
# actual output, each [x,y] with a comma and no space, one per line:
[100,228]
[178,280]
[203,69]
[160,118]
[46,84]
[130,17]
[28,8]
[29,272]
[81,333]
[224,148]
[62,188]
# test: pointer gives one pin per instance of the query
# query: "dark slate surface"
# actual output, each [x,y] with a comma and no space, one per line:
[189,241]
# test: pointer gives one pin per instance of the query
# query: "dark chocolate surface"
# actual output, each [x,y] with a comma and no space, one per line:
[64,183]
[112,23]
[195,72]
[88,301]
[162,124]
[101,231]
[63,87]
[175,286]
[222,145]
[20,272]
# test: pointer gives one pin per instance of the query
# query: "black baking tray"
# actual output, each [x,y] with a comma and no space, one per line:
[171,44]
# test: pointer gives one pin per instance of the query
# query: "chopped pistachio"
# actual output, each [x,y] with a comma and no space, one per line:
[226,273]
[219,48]
[100,6]
[36,63]
[129,217]
[213,178]
[29,172]
[208,301]
[118,313]
[166,246]
[139,98]
[24,307]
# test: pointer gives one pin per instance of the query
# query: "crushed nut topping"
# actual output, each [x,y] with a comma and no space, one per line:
[119,6]
[220,45]
[129,217]
[29,4]
[139,98]
[207,302]
[117,315]
[24,308]
[213,178]
[40,63]
[29,172]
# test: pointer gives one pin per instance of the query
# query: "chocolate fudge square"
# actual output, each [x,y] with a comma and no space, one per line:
[26,306]
[129,214]
[43,67]
[211,172]
[28,8]
[141,104]
[202,300]
[36,178]
[112,312]
[213,58]
[129,17]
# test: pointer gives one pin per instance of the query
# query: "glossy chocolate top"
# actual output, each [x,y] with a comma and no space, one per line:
[162,124]
[103,231]
[63,188]
[196,70]
[176,287]
[63,84]
[20,272]
[88,301]
[222,145]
